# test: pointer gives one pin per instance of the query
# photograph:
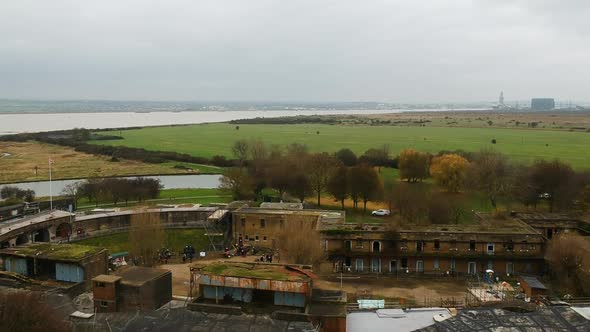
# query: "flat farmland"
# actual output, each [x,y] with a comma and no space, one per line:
[207,140]
[28,161]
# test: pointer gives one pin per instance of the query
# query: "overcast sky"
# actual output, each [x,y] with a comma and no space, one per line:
[308,50]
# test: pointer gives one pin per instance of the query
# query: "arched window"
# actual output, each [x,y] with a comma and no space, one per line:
[376,246]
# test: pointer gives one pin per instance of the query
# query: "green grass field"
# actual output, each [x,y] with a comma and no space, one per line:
[175,240]
[523,145]
[172,196]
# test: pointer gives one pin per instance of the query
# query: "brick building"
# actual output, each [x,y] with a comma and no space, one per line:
[262,226]
[551,224]
[505,246]
[132,288]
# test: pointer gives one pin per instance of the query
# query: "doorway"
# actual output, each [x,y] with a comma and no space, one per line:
[376,265]
[393,266]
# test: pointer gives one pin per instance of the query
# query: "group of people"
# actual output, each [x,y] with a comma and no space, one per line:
[188,253]
[265,258]
[164,255]
[241,249]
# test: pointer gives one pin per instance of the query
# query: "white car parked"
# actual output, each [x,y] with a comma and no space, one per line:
[380,212]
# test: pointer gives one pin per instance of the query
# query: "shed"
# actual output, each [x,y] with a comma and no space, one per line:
[275,284]
[532,287]
[62,262]
[132,288]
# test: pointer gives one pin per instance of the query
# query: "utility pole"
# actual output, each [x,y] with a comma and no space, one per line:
[50,193]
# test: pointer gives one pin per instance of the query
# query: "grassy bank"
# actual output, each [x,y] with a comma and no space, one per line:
[175,240]
[208,140]
[23,158]
[170,196]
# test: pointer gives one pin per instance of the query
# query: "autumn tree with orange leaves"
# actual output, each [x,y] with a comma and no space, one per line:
[449,171]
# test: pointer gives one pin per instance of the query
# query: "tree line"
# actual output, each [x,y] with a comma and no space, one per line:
[114,190]
[14,195]
[493,174]
[299,173]
[296,172]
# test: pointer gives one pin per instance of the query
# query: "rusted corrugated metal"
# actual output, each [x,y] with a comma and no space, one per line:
[263,284]
[217,280]
[232,282]
[288,286]
[252,283]
[246,283]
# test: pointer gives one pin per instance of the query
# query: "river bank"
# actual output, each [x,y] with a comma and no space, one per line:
[203,181]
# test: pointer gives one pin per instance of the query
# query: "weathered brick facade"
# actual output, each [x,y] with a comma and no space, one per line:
[510,248]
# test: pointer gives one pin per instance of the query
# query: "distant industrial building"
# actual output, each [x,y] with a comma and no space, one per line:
[133,288]
[61,262]
[542,104]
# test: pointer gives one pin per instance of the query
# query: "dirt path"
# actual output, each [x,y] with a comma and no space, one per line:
[421,291]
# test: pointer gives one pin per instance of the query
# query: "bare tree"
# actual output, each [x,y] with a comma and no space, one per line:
[238,182]
[258,150]
[523,189]
[27,311]
[556,179]
[490,173]
[300,241]
[299,185]
[337,185]
[146,237]
[72,191]
[278,174]
[445,208]
[568,256]
[319,169]
[364,184]
[240,150]
[411,201]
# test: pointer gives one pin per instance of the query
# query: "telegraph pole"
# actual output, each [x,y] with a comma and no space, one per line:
[50,193]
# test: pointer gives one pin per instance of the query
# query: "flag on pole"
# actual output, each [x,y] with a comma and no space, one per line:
[50,191]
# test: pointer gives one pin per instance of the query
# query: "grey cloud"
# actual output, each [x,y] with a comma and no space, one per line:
[463,50]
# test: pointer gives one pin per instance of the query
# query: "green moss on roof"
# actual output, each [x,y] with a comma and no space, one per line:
[62,251]
[244,270]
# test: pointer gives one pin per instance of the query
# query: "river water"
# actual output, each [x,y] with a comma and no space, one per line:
[207,181]
[11,123]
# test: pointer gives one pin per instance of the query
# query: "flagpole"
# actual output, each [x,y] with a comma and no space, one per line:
[50,193]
